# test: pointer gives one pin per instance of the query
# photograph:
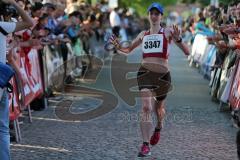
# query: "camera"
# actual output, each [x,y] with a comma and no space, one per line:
[7,10]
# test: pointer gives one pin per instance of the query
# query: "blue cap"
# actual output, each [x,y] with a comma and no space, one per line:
[157,6]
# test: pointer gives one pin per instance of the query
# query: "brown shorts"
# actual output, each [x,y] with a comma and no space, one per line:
[159,83]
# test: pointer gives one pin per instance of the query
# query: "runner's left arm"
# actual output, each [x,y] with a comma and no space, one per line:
[175,34]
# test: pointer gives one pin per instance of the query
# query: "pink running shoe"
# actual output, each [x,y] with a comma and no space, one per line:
[145,151]
[155,138]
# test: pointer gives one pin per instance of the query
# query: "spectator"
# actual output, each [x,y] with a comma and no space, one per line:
[115,22]
[4,110]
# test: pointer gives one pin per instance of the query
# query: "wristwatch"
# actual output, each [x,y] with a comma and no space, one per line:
[179,40]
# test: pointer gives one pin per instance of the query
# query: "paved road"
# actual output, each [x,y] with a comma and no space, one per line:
[194,129]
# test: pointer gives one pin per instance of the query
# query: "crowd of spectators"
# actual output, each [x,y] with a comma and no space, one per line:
[74,21]
[221,27]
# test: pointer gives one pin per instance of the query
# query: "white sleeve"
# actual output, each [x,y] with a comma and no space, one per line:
[8,26]
[1,93]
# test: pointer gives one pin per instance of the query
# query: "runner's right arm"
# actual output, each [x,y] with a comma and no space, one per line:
[135,43]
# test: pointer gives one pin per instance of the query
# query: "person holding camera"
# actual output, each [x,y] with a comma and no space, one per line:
[154,79]
[5,28]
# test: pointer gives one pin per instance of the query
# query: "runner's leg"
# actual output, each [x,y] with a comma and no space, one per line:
[146,124]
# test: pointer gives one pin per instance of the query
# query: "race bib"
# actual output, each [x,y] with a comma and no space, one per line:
[153,43]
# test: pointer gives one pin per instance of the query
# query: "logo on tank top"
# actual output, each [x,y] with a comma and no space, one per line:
[153,43]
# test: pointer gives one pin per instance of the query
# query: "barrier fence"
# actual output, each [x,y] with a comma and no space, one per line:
[224,78]
[38,73]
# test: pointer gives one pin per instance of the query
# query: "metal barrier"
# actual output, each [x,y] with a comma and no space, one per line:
[30,83]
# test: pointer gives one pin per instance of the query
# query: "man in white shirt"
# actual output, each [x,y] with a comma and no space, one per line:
[8,27]
[115,22]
